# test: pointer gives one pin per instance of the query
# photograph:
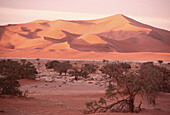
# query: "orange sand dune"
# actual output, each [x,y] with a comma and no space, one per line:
[39,21]
[60,46]
[113,37]
[35,43]
[92,39]
[52,33]
[73,54]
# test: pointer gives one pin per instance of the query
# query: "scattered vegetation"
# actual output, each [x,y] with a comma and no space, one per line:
[51,64]
[11,71]
[115,71]
[89,68]
[125,83]
[17,70]
[105,61]
[156,74]
[84,71]
[60,67]
[9,86]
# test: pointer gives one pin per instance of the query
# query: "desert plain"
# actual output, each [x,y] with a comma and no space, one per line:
[52,94]
[112,38]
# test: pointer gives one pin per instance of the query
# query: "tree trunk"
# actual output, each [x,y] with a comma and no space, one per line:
[76,78]
[131,104]
[60,73]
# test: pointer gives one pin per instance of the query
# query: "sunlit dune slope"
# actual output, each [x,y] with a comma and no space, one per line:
[85,38]
[60,46]
[92,39]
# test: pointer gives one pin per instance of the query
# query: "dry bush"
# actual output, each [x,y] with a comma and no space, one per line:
[125,83]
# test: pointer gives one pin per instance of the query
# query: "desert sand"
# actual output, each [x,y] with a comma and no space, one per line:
[115,37]
[51,94]
[66,98]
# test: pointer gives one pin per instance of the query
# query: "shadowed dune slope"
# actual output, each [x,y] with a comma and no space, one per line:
[117,33]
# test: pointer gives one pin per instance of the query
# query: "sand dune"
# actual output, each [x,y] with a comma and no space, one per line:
[60,46]
[93,39]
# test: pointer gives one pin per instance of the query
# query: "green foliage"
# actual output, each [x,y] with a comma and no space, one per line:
[125,84]
[76,73]
[148,63]
[84,72]
[160,61]
[62,67]
[155,75]
[9,68]
[17,70]
[115,70]
[9,86]
[23,60]
[27,70]
[51,64]
[38,59]
[89,68]
[111,91]
[105,61]
[13,70]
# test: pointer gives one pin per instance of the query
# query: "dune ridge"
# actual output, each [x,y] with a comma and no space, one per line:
[113,37]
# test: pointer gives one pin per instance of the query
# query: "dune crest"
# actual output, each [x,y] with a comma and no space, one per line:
[93,39]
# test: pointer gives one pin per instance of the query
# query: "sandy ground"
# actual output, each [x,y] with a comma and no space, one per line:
[67,98]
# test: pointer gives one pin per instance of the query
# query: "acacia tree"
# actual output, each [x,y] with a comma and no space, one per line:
[156,75]
[115,71]
[27,70]
[51,64]
[62,67]
[11,71]
[89,68]
[76,73]
[84,72]
[17,70]
[160,62]
[145,81]
[38,64]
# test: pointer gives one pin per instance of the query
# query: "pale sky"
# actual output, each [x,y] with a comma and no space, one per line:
[153,12]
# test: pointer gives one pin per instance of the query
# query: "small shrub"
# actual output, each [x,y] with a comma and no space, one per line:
[51,64]
[62,67]
[84,72]
[148,63]
[9,86]
[89,68]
